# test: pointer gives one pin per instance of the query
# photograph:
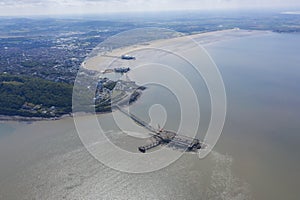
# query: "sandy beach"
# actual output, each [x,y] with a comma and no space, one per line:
[182,43]
[100,62]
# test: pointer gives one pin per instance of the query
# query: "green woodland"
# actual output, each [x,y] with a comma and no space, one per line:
[34,97]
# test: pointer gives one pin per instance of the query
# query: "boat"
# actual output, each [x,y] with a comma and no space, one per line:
[127,57]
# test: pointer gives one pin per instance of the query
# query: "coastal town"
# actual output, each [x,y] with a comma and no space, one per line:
[58,100]
[54,49]
[118,92]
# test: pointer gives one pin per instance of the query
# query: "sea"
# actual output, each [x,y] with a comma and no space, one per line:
[256,156]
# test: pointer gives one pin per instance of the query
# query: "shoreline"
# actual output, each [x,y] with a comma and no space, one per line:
[16,118]
[7,118]
[205,38]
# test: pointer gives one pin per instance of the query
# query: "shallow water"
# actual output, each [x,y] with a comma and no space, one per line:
[255,158]
[261,133]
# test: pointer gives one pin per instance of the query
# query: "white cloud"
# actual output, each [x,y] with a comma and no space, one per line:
[21,7]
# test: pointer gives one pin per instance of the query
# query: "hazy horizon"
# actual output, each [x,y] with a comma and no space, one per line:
[86,7]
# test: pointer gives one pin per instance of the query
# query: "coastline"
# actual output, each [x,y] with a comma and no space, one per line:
[7,118]
[4,118]
[206,38]
[15,118]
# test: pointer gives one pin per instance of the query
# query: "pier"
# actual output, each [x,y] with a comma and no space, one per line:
[136,119]
[164,137]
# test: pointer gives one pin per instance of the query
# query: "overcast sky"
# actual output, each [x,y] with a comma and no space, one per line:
[41,7]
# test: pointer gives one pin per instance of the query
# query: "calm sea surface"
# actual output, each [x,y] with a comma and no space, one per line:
[257,156]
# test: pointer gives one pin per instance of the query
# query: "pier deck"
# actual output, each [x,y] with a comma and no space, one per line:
[164,137]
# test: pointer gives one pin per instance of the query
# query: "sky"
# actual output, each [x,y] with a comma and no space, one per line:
[45,7]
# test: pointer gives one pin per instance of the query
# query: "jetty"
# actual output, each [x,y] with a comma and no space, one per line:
[164,137]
